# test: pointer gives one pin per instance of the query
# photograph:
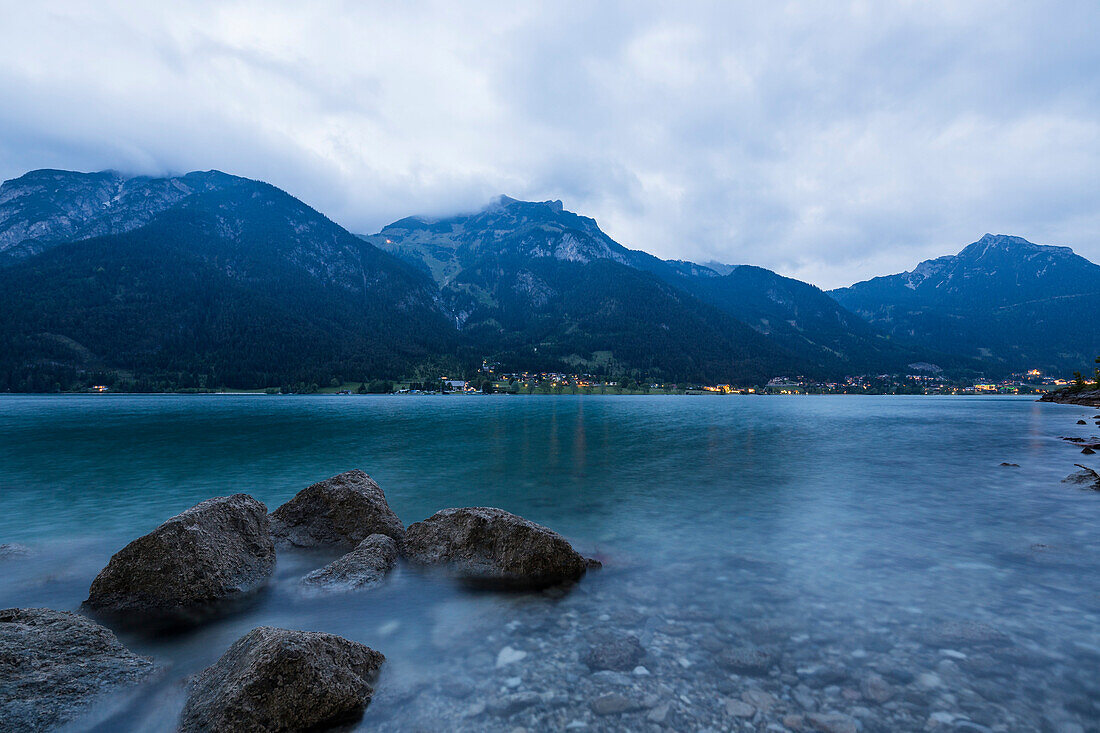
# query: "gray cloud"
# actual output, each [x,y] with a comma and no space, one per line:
[827,142]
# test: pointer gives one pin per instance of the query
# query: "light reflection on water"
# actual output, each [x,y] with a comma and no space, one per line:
[849,519]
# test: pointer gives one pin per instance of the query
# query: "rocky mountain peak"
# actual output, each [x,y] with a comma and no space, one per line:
[47,206]
[1005,244]
[1002,297]
[504,202]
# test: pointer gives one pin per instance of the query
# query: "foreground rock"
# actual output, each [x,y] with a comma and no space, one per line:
[278,680]
[55,665]
[365,566]
[492,548]
[190,567]
[338,512]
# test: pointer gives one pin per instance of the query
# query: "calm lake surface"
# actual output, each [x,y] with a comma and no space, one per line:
[842,539]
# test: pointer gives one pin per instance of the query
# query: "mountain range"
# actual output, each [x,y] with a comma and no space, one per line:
[515,250]
[208,279]
[1003,300]
[202,279]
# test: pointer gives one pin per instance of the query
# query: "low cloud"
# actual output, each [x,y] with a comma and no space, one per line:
[827,142]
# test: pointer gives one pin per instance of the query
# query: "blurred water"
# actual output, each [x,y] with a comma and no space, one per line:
[843,518]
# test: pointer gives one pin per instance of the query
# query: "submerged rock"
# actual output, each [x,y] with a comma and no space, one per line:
[365,566]
[54,665]
[338,512]
[739,709]
[963,633]
[493,548]
[615,704]
[747,660]
[512,703]
[833,722]
[509,655]
[615,651]
[875,688]
[11,550]
[190,567]
[279,680]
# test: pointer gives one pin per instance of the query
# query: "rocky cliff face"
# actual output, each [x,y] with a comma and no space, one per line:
[505,228]
[45,207]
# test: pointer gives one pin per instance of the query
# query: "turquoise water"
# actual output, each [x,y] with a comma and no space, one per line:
[856,522]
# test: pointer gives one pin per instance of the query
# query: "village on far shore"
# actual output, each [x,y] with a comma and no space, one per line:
[923,379]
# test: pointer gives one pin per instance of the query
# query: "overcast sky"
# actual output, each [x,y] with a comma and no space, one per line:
[827,141]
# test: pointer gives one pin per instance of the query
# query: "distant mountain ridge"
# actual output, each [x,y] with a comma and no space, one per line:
[799,318]
[532,284]
[507,227]
[1003,299]
[208,279]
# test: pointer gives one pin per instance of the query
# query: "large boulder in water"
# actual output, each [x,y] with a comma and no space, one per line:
[338,512]
[278,680]
[190,567]
[491,547]
[365,566]
[54,666]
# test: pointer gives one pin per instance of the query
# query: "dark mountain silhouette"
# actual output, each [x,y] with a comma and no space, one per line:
[1002,299]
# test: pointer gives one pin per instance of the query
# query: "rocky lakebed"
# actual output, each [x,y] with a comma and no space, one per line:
[533,635]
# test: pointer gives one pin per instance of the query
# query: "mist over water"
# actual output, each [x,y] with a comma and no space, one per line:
[833,530]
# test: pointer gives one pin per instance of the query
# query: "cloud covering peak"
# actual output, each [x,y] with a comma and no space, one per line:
[830,142]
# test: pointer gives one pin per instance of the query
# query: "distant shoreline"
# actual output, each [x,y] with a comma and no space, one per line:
[254,393]
[1087,398]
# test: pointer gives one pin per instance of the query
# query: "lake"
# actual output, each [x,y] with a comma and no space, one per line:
[873,550]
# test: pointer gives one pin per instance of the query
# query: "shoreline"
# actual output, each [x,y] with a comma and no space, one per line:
[1084,398]
[1035,397]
